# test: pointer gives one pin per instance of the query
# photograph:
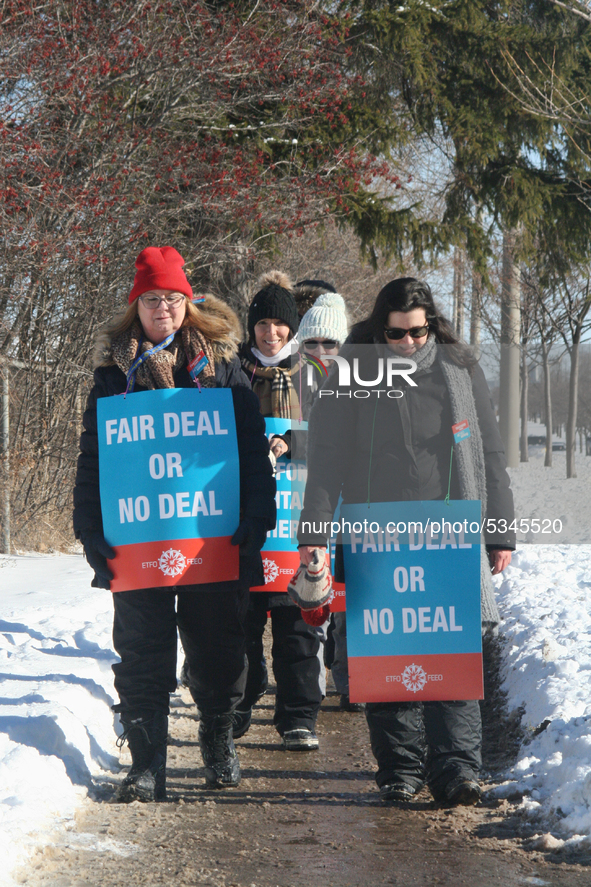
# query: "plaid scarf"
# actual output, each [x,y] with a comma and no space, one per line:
[274,389]
[159,369]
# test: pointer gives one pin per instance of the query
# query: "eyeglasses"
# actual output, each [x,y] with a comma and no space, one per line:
[396,333]
[311,344]
[152,302]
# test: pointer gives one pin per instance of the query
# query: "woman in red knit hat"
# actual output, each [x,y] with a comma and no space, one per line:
[149,347]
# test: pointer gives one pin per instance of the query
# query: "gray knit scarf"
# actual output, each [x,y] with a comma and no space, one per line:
[468,454]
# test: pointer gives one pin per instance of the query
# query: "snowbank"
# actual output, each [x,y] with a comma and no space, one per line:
[56,727]
[544,598]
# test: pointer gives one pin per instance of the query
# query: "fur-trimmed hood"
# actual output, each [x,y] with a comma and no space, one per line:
[221,326]
[225,344]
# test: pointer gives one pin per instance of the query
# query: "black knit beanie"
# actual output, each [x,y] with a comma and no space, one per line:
[273,301]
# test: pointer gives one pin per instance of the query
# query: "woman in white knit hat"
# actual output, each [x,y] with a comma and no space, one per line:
[323,329]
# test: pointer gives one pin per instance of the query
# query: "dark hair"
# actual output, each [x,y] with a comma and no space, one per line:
[307,291]
[317,284]
[405,294]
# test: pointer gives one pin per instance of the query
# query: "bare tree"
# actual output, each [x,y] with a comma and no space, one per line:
[215,126]
[567,316]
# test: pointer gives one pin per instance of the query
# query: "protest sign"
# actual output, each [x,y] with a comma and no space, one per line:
[169,485]
[280,552]
[413,600]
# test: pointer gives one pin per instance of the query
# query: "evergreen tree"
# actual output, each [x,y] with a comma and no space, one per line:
[454,64]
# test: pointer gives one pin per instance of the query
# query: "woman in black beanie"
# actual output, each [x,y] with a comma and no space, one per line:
[267,361]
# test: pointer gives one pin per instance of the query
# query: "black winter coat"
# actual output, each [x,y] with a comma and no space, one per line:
[392,450]
[257,484]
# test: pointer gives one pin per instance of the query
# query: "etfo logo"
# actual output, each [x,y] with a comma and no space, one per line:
[172,562]
[271,570]
[414,678]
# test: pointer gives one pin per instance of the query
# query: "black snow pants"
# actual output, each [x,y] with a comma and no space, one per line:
[210,620]
[296,663]
[432,741]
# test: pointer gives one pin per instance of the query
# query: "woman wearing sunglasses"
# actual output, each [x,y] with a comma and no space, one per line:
[392,449]
[323,329]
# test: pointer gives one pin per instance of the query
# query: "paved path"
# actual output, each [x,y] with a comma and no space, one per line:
[297,820]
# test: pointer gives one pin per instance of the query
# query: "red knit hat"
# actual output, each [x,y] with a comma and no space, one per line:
[159,268]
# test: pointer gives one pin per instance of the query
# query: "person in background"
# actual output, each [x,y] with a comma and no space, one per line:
[393,450]
[149,346]
[323,329]
[305,293]
[267,360]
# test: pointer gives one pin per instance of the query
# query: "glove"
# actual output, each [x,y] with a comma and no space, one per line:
[97,550]
[251,535]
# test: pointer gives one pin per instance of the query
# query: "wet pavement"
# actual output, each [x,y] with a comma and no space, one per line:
[307,819]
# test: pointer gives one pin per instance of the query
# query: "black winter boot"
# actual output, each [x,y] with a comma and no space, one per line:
[222,767]
[146,736]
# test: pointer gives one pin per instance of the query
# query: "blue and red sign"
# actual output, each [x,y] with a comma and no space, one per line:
[413,600]
[280,552]
[169,483]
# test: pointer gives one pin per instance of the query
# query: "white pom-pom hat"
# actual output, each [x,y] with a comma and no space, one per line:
[326,319]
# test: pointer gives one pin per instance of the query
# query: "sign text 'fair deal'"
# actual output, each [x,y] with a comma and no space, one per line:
[413,600]
[169,481]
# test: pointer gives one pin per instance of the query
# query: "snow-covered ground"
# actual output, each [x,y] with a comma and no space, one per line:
[545,601]
[57,741]
[56,727]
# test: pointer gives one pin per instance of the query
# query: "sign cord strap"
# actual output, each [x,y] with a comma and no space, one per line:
[451,458]
[142,358]
[373,425]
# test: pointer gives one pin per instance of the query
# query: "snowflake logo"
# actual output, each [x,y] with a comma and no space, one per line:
[172,562]
[271,570]
[414,678]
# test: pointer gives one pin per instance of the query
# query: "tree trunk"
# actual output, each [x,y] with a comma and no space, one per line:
[475,307]
[458,284]
[547,402]
[573,393]
[524,404]
[509,369]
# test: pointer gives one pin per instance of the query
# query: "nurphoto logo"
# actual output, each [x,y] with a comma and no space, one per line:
[387,369]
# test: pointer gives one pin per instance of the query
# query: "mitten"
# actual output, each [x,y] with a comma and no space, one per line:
[311,587]
[316,617]
[97,550]
[251,535]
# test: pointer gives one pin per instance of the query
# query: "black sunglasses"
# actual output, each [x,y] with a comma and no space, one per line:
[397,333]
[326,343]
